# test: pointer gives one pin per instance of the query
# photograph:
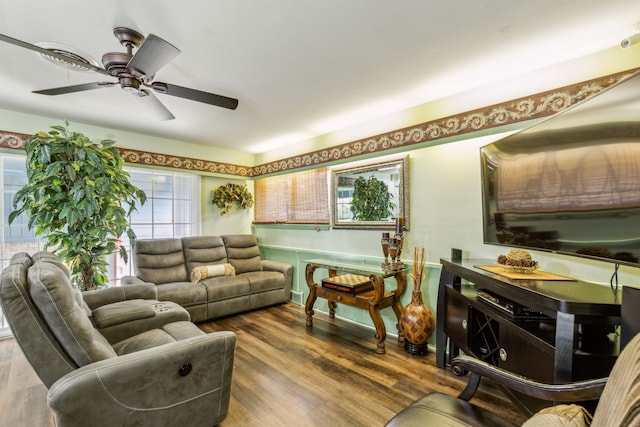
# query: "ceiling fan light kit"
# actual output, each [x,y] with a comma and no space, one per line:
[133,71]
[70,53]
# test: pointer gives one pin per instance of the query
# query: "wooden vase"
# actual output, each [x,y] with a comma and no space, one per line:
[417,324]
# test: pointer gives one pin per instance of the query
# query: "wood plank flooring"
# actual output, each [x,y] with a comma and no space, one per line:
[288,375]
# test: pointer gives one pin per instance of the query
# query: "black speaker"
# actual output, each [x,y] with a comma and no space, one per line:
[456,255]
[630,312]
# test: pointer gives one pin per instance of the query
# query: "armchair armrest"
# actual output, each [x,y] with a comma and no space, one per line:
[100,297]
[133,280]
[187,382]
[570,392]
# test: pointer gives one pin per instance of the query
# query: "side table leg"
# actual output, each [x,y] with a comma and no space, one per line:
[397,309]
[308,307]
[311,299]
[381,330]
[332,309]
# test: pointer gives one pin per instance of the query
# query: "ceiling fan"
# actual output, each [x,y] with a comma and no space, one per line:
[134,72]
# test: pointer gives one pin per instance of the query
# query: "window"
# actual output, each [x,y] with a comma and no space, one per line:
[297,198]
[172,210]
[15,237]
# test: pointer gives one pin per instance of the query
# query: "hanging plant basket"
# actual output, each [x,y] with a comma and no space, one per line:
[226,195]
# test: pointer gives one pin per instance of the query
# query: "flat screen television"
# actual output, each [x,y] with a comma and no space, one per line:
[570,184]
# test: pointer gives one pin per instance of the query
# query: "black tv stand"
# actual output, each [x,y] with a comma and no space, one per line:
[551,331]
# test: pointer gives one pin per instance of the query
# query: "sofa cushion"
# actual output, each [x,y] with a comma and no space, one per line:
[54,297]
[243,252]
[182,330]
[184,293]
[171,332]
[261,281]
[165,312]
[160,261]
[203,250]
[226,287]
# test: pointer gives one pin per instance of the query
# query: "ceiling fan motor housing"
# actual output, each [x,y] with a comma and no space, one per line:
[116,62]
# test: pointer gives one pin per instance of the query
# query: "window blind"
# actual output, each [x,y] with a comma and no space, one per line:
[297,198]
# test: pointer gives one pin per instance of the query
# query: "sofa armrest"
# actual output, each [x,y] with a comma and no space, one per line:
[100,297]
[151,386]
[570,392]
[282,267]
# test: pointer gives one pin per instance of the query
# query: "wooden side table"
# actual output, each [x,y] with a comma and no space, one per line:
[373,300]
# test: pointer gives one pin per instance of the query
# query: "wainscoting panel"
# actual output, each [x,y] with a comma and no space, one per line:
[300,291]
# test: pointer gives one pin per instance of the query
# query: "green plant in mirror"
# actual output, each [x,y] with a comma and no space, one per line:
[79,198]
[371,200]
[226,195]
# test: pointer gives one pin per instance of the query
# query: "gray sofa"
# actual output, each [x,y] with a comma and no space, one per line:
[169,264]
[117,357]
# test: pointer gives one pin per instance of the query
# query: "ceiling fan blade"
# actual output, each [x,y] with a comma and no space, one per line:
[153,105]
[75,88]
[50,53]
[153,54]
[195,95]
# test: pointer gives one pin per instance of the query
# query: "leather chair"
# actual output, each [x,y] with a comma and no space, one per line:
[116,356]
[618,405]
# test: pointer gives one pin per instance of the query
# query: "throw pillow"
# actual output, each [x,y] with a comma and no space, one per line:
[199,273]
[560,415]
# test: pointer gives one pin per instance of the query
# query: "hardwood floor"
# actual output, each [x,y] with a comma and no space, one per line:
[288,375]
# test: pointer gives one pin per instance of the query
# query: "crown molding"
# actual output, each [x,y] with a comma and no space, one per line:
[519,110]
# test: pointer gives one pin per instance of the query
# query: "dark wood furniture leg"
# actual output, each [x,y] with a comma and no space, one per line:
[311,299]
[374,311]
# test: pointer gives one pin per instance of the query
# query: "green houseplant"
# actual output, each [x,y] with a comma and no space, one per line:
[79,197]
[371,200]
[226,195]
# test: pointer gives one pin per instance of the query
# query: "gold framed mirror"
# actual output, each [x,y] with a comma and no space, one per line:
[370,195]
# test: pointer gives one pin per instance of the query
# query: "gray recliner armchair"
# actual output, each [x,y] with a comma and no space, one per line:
[115,356]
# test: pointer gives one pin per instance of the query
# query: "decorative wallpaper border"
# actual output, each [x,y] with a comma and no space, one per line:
[184,163]
[514,111]
[12,140]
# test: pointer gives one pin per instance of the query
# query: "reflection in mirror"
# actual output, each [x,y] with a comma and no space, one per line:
[371,195]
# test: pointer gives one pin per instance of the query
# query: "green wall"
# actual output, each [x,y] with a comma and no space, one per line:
[445,213]
[300,290]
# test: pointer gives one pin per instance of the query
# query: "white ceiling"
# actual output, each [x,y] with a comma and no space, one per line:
[300,68]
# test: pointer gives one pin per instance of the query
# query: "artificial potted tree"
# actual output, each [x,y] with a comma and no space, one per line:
[79,198]
[371,200]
